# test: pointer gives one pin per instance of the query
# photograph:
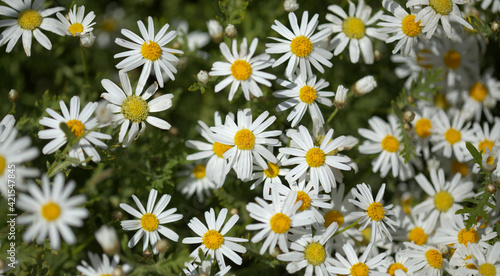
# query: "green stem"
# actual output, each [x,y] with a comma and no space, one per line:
[84,61]
[332,115]
[348,227]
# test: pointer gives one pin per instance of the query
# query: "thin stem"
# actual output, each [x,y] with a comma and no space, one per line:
[332,115]
[84,61]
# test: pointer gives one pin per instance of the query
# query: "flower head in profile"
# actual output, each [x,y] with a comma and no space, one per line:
[78,23]
[101,267]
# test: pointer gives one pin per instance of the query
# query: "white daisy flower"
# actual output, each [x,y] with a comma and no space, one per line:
[78,23]
[444,196]
[197,182]
[415,227]
[242,69]
[395,267]
[321,161]
[247,139]
[108,239]
[457,234]
[270,176]
[422,126]
[424,260]
[461,258]
[51,210]
[436,10]
[276,220]
[311,253]
[484,263]
[150,51]
[303,94]
[6,126]
[486,138]
[385,139]
[81,125]
[212,239]
[355,265]
[375,213]
[495,7]
[451,138]
[150,220]
[133,110]
[205,268]
[482,97]
[98,267]
[300,47]
[402,26]
[27,21]
[353,29]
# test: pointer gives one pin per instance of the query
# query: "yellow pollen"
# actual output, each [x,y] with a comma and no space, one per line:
[199,171]
[409,27]
[244,139]
[105,275]
[418,236]
[440,101]
[452,136]
[422,60]
[478,91]
[315,157]
[423,128]
[272,170]
[442,7]
[487,269]
[353,28]
[306,200]
[51,211]
[308,94]
[151,50]
[376,211]
[486,144]
[458,167]
[29,19]
[3,164]
[390,143]
[75,28]
[465,237]
[490,160]
[212,239]
[315,253]
[360,269]
[452,59]
[219,149]
[241,69]
[280,223]
[149,222]
[434,258]
[135,109]
[301,46]
[333,216]
[391,270]
[443,201]
[469,265]
[76,127]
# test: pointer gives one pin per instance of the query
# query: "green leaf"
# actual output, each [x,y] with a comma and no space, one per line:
[474,152]
[234,10]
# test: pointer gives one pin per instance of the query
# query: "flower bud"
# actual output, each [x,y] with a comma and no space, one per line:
[118,271]
[231,31]
[147,254]
[87,40]
[117,215]
[491,188]
[364,86]
[234,211]
[290,5]
[107,238]
[203,76]
[407,126]
[409,116]
[410,99]
[13,95]
[215,30]
[341,97]
[162,245]
[3,264]
[495,26]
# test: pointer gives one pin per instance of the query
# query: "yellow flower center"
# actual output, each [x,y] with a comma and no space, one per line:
[212,239]
[51,211]
[422,61]
[149,222]
[417,236]
[151,50]
[487,269]
[306,200]
[301,46]
[244,139]
[135,109]
[390,143]
[272,170]
[440,101]
[315,157]
[407,204]
[469,265]
[353,28]
[359,269]
[75,28]
[367,235]
[333,216]
[434,258]
[442,7]
[219,149]
[105,275]
[452,59]
[391,270]
[409,27]
[315,253]
[308,94]
[422,127]
[443,201]
[486,144]
[3,164]
[199,171]
[241,69]
[280,223]
[465,237]
[458,167]
[376,211]
[452,136]
[478,91]
[29,19]
[76,127]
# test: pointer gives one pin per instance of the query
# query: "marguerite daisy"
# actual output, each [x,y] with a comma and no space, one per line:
[6,126]
[132,110]
[451,138]
[197,182]
[355,265]
[77,25]
[242,69]
[458,234]
[150,220]
[482,97]
[484,263]
[98,267]
[424,260]
[270,176]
